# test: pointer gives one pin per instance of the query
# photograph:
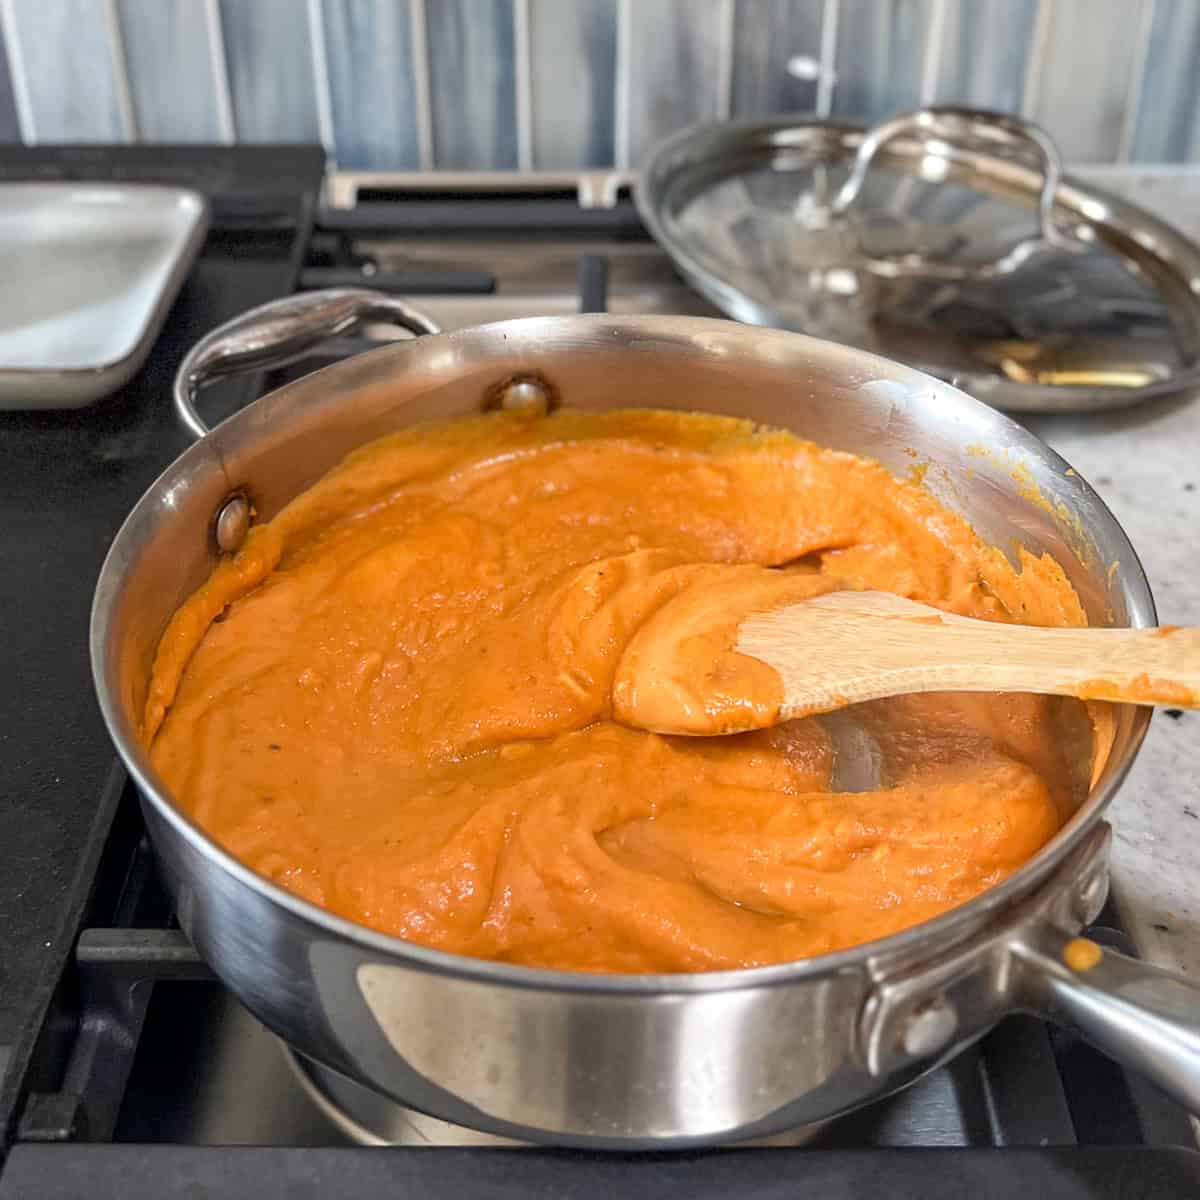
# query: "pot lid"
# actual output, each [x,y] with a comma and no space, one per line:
[948,239]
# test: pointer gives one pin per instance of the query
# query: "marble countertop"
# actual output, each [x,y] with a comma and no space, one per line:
[1145,463]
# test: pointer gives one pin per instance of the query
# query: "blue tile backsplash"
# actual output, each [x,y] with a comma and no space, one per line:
[372,90]
[472,83]
[548,84]
[573,72]
[171,45]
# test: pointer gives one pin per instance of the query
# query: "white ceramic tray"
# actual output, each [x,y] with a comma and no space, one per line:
[87,274]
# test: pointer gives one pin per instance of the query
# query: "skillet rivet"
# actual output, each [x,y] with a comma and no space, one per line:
[232,523]
[929,1029]
[526,394]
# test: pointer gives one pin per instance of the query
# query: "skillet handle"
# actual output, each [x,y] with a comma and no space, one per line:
[281,332]
[1145,1017]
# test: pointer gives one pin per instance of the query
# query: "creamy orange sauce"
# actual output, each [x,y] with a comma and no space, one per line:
[1141,689]
[1082,954]
[397,700]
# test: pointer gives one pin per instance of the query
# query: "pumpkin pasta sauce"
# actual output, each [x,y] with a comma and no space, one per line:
[396,700]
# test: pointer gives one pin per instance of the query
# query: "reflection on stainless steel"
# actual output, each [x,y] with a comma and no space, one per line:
[858,761]
[246,1087]
[1087,374]
[940,130]
[952,244]
[603,1060]
[232,523]
[369,1119]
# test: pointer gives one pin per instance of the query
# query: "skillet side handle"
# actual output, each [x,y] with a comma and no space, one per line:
[1143,1016]
[281,332]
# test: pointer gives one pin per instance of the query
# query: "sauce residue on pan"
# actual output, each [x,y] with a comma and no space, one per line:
[396,701]
[1082,954]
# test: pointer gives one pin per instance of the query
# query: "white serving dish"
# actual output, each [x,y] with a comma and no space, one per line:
[87,274]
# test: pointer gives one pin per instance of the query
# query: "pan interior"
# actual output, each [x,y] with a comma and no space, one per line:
[1013,490]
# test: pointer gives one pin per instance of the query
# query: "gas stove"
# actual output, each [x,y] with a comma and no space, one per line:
[125,1067]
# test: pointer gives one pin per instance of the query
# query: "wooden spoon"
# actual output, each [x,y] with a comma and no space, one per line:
[843,647]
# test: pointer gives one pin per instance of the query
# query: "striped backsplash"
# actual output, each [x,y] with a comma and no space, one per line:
[549,84]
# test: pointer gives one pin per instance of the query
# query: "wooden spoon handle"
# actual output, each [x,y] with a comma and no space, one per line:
[845,647]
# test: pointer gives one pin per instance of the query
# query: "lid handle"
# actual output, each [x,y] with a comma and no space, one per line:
[941,130]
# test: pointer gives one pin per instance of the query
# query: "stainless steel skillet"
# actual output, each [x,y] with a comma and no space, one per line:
[630,1061]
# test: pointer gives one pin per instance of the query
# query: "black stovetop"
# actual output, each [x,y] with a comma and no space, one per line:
[125,1069]
[67,480]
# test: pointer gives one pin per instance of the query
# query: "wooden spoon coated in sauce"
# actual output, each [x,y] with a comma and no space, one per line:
[843,647]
